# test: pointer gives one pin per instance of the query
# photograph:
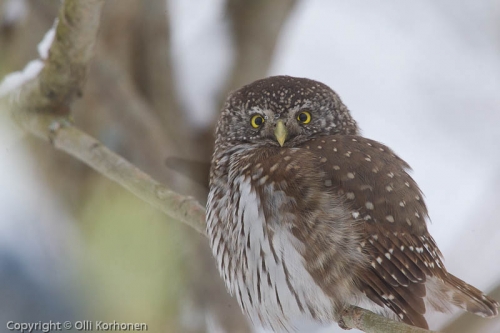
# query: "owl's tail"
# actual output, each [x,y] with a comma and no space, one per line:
[457,292]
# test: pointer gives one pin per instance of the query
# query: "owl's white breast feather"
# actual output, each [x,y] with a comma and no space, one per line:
[277,289]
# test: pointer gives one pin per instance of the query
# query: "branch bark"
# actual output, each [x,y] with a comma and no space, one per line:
[37,110]
[62,78]
[369,322]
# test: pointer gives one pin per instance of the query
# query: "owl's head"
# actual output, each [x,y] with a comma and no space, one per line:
[282,111]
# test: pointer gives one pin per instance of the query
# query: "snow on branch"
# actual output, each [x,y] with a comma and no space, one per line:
[15,80]
[62,75]
[39,99]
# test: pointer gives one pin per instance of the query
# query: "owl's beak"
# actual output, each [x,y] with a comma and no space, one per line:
[280,132]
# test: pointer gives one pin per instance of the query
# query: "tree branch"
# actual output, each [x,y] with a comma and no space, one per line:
[66,137]
[63,75]
[369,322]
[56,87]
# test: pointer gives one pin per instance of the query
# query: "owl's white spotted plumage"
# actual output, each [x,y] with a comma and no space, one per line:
[305,216]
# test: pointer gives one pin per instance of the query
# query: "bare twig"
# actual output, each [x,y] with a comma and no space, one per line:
[369,322]
[53,90]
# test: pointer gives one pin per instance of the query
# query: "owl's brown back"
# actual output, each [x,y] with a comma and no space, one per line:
[404,258]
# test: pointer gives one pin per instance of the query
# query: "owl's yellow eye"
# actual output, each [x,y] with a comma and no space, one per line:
[257,121]
[304,117]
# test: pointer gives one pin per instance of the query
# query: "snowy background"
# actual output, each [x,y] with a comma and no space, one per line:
[423,77]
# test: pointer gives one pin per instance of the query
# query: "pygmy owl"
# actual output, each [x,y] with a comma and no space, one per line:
[306,217]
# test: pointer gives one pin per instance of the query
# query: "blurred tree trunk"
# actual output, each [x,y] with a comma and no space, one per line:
[256,26]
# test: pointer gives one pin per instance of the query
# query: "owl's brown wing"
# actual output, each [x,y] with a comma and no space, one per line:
[379,190]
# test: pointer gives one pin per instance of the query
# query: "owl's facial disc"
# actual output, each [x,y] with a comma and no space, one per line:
[305,108]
